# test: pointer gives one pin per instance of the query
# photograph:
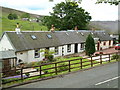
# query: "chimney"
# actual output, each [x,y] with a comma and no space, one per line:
[17,29]
[76,28]
[93,29]
[52,28]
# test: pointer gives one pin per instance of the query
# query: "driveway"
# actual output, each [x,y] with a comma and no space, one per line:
[109,50]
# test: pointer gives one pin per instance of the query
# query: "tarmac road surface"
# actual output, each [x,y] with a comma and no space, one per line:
[98,77]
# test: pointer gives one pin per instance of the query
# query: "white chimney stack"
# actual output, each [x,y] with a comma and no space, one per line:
[17,29]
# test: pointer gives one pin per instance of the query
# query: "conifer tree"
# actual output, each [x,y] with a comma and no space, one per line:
[89,45]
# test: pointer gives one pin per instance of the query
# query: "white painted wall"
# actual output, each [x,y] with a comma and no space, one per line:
[23,56]
[111,43]
[59,51]
[5,44]
[96,46]
[72,49]
[31,56]
[104,46]
[80,49]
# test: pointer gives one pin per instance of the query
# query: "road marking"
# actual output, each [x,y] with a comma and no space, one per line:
[107,80]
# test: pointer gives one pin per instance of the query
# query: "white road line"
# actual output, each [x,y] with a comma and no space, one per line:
[107,80]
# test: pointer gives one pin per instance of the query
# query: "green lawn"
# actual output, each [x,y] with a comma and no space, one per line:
[62,72]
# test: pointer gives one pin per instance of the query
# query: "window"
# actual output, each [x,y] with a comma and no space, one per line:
[82,46]
[56,50]
[49,36]
[37,54]
[69,48]
[33,37]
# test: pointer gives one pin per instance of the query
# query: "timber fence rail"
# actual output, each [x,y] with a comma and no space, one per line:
[56,68]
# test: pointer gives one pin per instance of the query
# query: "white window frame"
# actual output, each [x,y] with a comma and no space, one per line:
[82,46]
[56,50]
[37,52]
[69,48]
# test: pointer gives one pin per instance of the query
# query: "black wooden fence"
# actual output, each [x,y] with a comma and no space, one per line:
[80,64]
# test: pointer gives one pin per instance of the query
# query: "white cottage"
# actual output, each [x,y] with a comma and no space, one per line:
[27,44]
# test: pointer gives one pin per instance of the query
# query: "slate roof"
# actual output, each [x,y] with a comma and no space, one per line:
[68,37]
[102,36]
[7,54]
[24,40]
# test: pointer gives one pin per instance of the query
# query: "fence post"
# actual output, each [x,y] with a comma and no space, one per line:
[56,68]
[81,63]
[22,73]
[109,57]
[100,59]
[40,71]
[91,61]
[69,65]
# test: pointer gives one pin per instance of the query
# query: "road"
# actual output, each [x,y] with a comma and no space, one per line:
[98,77]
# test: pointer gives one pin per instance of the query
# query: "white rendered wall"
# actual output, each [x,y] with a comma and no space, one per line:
[104,46]
[23,56]
[59,51]
[5,44]
[79,48]
[72,49]
[32,58]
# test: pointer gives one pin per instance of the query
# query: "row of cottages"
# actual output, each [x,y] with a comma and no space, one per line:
[27,44]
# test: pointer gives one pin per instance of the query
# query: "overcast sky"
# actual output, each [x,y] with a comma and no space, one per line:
[101,12]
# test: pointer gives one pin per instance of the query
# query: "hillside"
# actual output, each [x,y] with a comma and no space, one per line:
[109,26]
[10,25]
[6,11]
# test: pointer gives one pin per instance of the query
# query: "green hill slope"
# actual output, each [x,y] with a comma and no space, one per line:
[10,25]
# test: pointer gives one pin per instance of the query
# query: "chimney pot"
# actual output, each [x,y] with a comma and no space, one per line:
[76,28]
[52,28]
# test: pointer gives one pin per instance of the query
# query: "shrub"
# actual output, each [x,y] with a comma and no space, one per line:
[62,67]
[27,74]
[45,72]
[17,72]
[12,16]
[50,58]
[115,56]
[43,62]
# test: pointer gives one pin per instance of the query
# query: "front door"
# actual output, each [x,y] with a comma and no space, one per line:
[98,46]
[76,48]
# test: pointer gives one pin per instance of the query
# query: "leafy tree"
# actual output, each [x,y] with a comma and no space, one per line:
[67,15]
[12,16]
[112,2]
[25,15]
[90,45]
[48,55]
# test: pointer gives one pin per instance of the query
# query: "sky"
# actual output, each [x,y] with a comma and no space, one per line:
[99,12]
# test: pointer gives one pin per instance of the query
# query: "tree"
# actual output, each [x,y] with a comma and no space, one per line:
[112,2]
[25,15]
[89,45]
[48,55]
[67,15]
[12,16]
